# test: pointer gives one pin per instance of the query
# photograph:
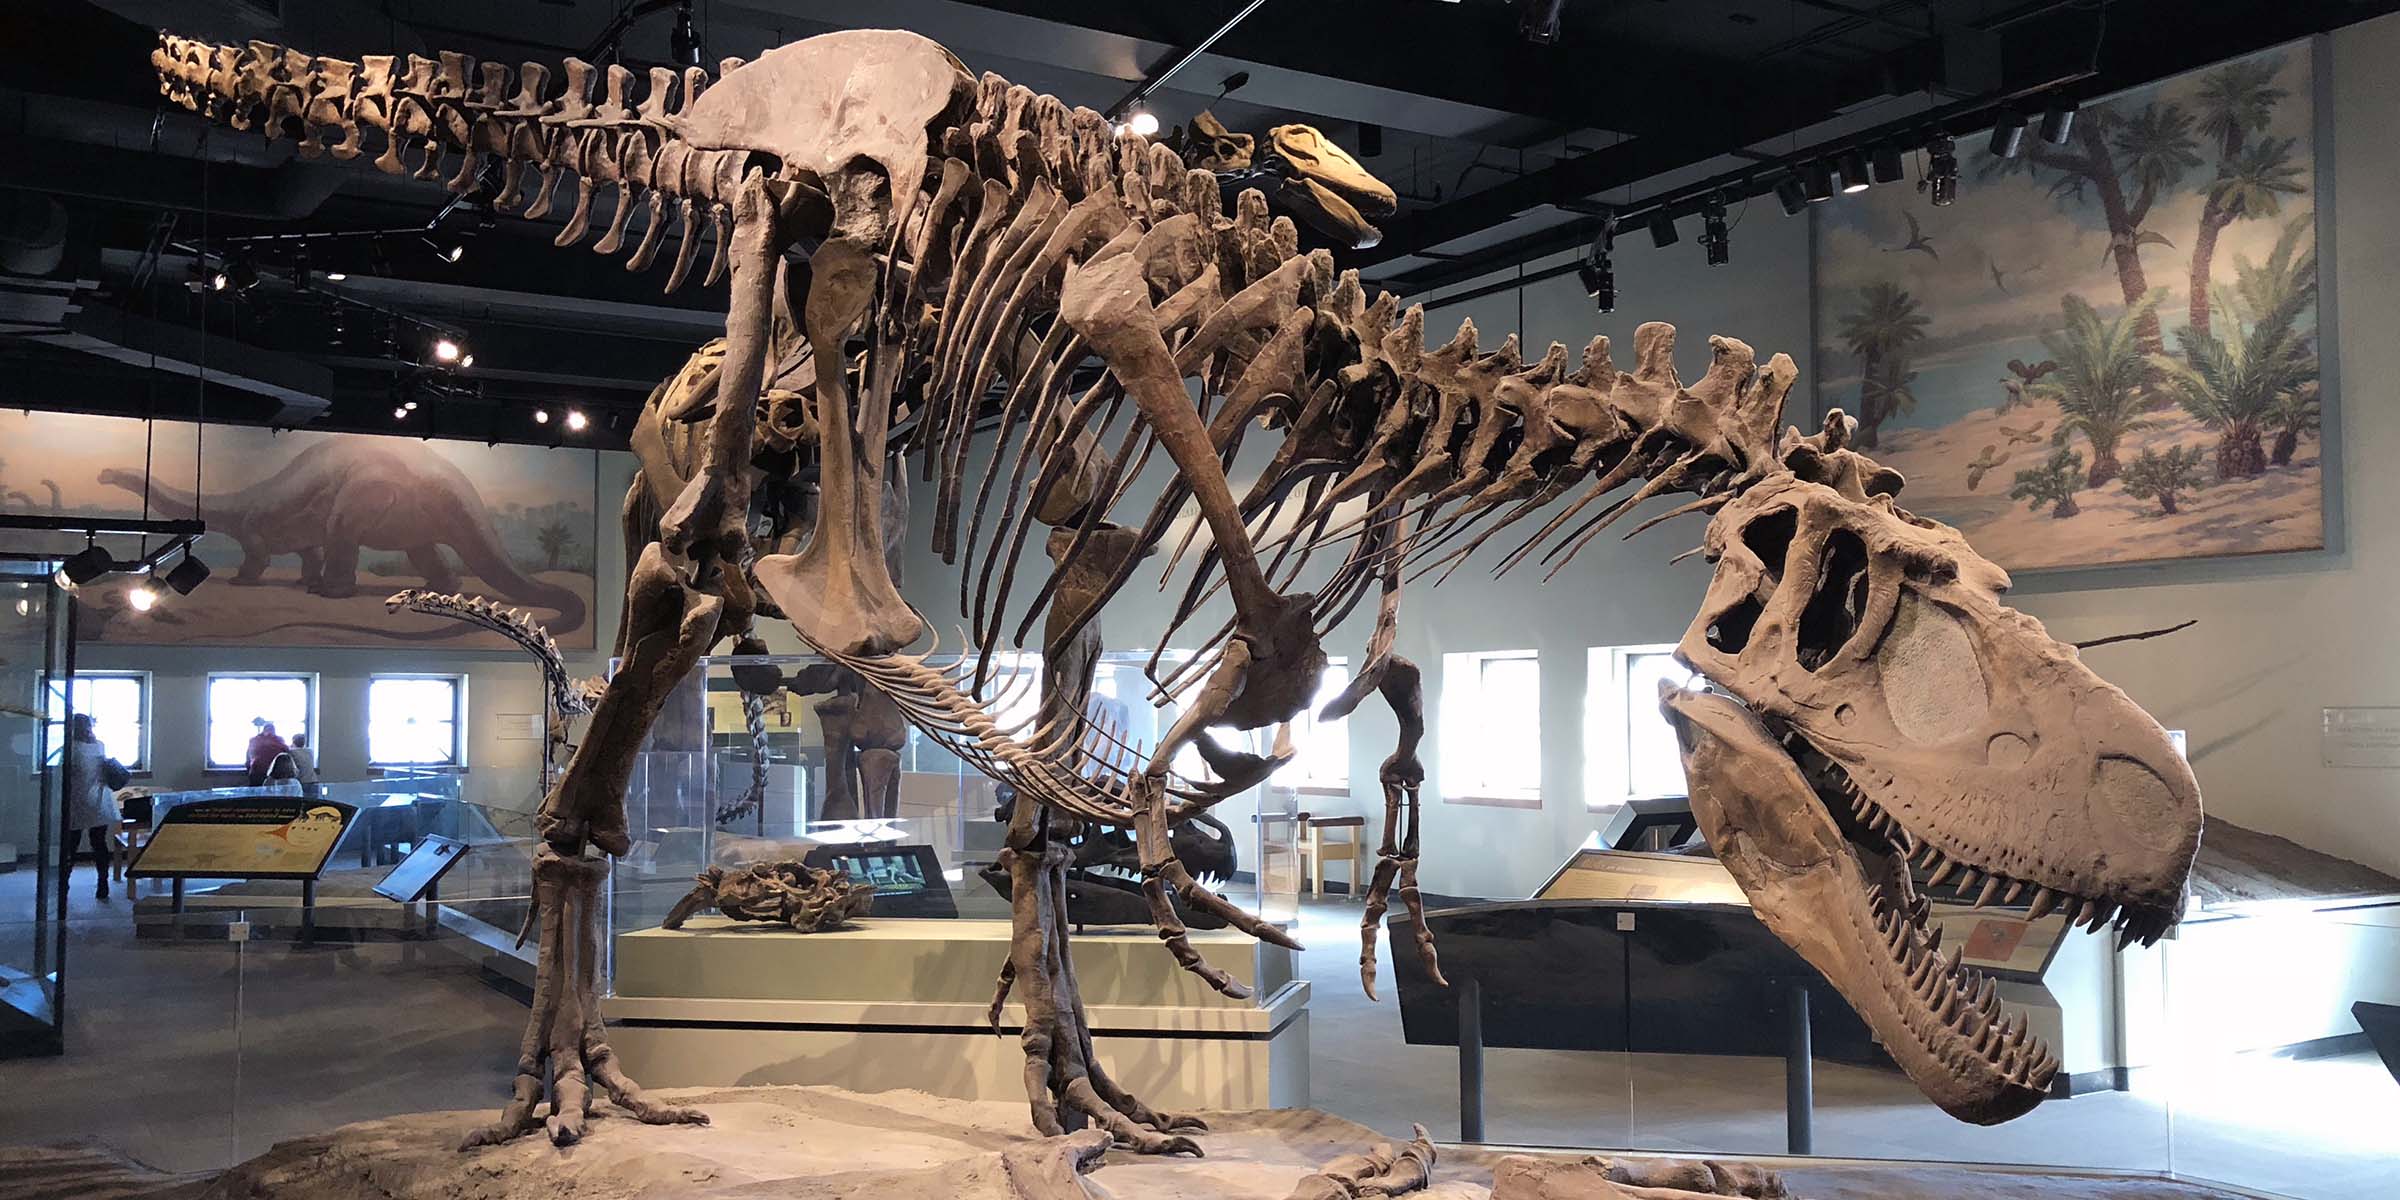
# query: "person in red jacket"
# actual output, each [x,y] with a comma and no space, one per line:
[264,746]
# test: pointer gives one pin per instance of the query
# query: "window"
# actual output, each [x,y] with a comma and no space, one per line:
[238,703]
[413,720]
[1323,760]
[1630,749]
[118,703]
[1491,730]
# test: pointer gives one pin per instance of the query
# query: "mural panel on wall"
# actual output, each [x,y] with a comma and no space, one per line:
[308,532]
[2106,351]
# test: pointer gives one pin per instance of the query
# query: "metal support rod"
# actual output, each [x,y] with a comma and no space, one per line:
[1799,1078]
[1470,1060]
[1159,78]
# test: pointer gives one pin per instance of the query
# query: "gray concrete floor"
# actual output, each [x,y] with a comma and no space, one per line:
[188,1054]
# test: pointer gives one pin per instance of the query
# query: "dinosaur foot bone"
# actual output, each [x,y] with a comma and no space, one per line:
[1525,1178]
[1382,1171]
[565,1050]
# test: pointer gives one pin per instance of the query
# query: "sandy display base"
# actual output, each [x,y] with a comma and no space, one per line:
[808,1143]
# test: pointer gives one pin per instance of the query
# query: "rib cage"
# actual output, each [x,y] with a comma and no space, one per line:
[1387,452]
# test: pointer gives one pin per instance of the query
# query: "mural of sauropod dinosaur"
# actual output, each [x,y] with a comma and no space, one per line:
[343,495]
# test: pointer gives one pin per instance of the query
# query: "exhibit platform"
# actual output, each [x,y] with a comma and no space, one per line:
[904,1004]
[823,1142]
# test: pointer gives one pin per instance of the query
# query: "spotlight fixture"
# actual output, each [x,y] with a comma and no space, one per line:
[1141,121]
[214,280]
[446,349]
[240,274]
[684,43]
[576,420]
[541,416]
[400,414]
[1941,170]
[1662,231]
[84,566]
[2008,135]
[1791,194]
[186,575]
[410,406]
[1598,270]
[1854,173]
[1716,237]
[449,253]
[2058,124]
[336,276]
[1538,20]
[465,361]
[1820,181]
[141,597]
[1887,164]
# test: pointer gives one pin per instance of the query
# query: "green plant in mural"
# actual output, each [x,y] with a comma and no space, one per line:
[1881,332]
[2164,477]
[2124,162]
[2098,383]
[555,540]
[2237,385]
[2054,483]
[2237,101]
[2297,415]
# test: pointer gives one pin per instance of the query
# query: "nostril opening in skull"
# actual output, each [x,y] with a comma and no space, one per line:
[1769,536]
[1730,632]
[1839,602]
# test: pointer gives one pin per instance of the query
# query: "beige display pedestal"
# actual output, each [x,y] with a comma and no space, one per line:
[901,1004]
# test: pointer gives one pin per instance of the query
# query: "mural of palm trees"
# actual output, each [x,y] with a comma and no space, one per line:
[2235,102]
[2054,483]
[2297,415]
[2236,384]
[1886,324]
[2097,385]
[555,539]
[2125,163]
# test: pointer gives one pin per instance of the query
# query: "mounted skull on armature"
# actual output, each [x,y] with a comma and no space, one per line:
[924,263]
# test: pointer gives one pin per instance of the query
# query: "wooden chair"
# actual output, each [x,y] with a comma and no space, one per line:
[1337,838]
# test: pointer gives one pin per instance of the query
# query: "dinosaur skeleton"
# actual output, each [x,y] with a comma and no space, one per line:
[989,266]
[565,697]
[809,899]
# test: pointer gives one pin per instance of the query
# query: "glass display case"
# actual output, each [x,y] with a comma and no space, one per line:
[814,771]
[36,659]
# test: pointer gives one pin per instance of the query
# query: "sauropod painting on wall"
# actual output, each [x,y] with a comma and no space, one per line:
[309,531]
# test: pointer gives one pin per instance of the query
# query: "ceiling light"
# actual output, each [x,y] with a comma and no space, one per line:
[399,414]
[218,280]
[141,597]
[84,566]
[336,276]
[1598,271]
[684,42]
[466,360]
[1820,182]
[411,406]
[446,349]
[1662,231]
[187,575]
[1854,173]
[576,420]
[2008,135]
[1888,167]
[541,416]
[1715,236]
[2058,125]
[1941,170]
[1791,194]
[1140,121]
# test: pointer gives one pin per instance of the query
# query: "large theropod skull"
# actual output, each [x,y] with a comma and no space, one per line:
[1881,707]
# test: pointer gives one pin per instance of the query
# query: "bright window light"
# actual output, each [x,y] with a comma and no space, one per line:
[1630,750]
[412,721]
[1491,725]
[1323,761]
[118,703]
[237,703]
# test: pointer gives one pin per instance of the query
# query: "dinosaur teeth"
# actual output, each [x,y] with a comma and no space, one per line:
[2043,901]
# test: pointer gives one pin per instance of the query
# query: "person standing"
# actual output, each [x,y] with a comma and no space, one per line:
[264,746]
[304,763]
[91,810]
